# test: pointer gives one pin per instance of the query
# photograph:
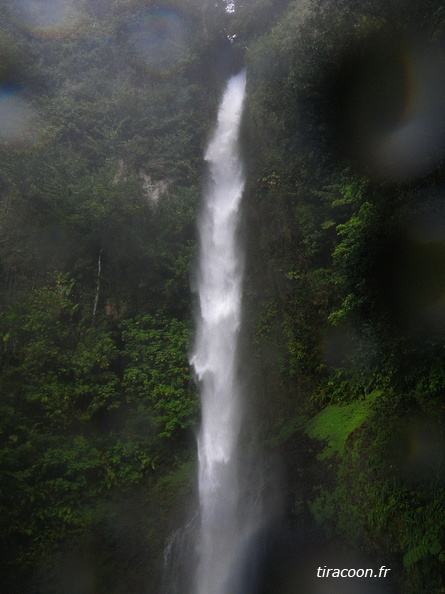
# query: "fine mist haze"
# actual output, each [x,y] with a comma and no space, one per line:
[280,426]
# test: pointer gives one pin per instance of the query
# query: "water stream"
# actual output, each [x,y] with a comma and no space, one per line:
[225,520]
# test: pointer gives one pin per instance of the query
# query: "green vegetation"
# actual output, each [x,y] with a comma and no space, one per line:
[342,278]
[101,171]
[335,424]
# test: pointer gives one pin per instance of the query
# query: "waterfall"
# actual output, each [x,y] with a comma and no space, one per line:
[225,522]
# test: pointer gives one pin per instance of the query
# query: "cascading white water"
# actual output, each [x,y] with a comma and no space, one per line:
[224,521]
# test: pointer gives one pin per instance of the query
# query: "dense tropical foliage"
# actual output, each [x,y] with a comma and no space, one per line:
[105,110]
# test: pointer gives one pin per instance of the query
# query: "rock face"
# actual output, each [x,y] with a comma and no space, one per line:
[153,189]
[120,173]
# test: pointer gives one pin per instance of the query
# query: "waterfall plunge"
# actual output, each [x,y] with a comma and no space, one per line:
[226,522]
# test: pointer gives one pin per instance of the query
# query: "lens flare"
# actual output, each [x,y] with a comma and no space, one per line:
[47,18]
[412,147]
[159,39]
[19,125]
[340,345]
[409,272]
[417,449]
[388,109]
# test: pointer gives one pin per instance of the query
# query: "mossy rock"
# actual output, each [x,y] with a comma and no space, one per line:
[335,423]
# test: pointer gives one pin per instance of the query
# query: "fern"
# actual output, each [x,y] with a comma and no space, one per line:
[415,555]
